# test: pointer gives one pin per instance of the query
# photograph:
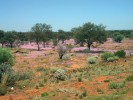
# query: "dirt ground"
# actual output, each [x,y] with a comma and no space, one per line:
[94,77]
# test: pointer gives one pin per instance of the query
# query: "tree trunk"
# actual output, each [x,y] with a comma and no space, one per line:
[38,46]
[89,45]
[11,45]
[61,56]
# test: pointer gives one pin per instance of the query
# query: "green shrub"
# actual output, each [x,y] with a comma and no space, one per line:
[80,79]
[120,53]
[107,55]
[60,74]
[110,59]
[118,37]
[107,80]
[129,78]
[6,56]
[3,90]
[5,68]
[116,85]
[91,60]
[66,57]
[116,58]
[44,94]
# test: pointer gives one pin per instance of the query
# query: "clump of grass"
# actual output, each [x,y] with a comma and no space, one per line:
[100,91]
[107,55]
[129,78]
[80,79]
[91,60]
[116,85]
[44,94]
[107,80]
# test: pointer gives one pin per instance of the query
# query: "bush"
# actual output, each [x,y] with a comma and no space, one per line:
[116,85]
[118,38]
[110,59]
[107,55]
[66,57]
[6,56]
[86,51]
[44,94]
[60,74]
[91,60]
[80,79]
[129,78]
[5,68]
[61,50]
[120,53]
[3,90]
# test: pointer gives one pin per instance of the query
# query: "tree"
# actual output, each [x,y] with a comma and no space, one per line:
[41,33]
[90,33]
[118,37]
[62,35]
[10,38]
[2,40]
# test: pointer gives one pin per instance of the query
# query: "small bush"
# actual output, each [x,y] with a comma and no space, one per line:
[66,57]
[44,94]
[6,56]
[110,59]
[116,58]
[60,74]
[118,37]
[107,80]
[3,90]
[120,53]
[91,60]
[116,85]
[129,78]
[5,68]
[80,79]
[107,55]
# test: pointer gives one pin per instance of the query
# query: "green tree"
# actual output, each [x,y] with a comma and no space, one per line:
[10,38]
[41,33]
[90,33]
[2,36]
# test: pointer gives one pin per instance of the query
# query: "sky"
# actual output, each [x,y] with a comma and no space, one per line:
[21,15]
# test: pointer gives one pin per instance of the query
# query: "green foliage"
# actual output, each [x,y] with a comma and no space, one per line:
[129,78]
[120,53]
[118,37]
[116,85]
[6,56]
[44,94]
[90,33]
[3,89]
[110,59]
[107,80]
[80,79]
[60,74]
[91,60]
[4,78]
[107,55]
[66,57]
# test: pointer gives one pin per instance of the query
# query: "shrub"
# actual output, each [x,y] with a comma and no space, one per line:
[107,55]
[110,59]
[60,74]
[44,94]
[116,85]
[61,50]
[116,57]
[120,53]
[118,37]
[66,57]
[6,56]
[91,60]
[5,68]
[129,78]
[3,90]
[80,79]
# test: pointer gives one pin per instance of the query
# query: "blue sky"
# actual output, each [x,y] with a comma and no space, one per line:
[21,15]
